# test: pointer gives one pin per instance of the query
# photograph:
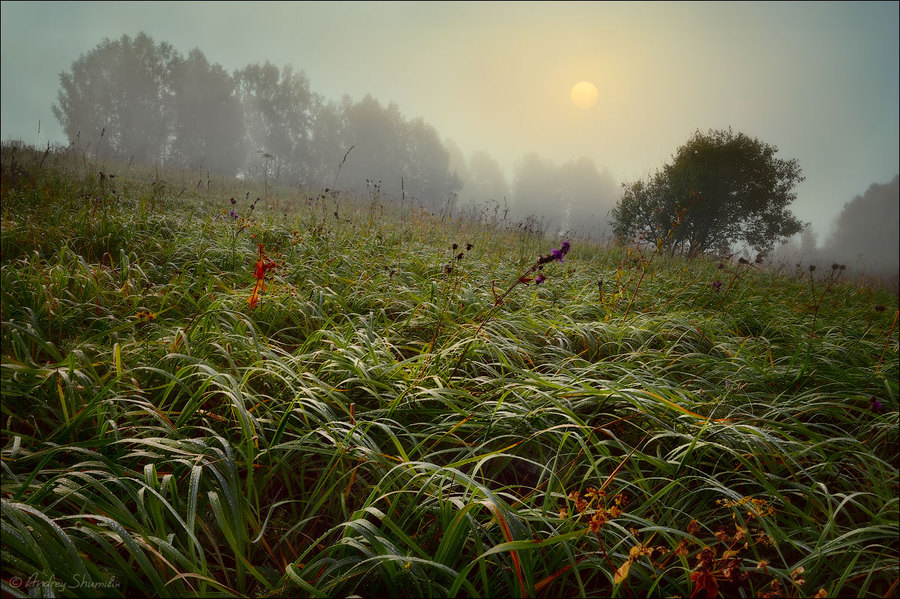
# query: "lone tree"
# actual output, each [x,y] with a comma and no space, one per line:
[721,189]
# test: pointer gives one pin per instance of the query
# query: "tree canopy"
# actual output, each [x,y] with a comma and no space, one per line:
[133,98]
[867,231]
[722,189]
[118,96]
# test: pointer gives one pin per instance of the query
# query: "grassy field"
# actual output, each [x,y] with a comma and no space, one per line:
[315,395]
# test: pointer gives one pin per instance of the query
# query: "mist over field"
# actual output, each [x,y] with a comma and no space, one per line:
[160,107]
[866,231]
[865,237]
[484,86]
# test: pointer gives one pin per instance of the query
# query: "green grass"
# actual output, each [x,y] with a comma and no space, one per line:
[379,426]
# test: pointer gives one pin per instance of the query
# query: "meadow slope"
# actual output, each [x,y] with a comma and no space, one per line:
[320,395]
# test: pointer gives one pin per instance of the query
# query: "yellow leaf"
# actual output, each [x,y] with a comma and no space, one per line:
[622,572]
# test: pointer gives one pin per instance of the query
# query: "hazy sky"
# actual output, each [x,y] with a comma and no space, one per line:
[817,80]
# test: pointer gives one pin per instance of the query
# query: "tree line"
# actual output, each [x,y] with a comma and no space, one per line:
[133,99]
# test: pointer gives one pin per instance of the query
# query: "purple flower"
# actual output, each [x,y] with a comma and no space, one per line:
[233,214]
[540,278]
[559,254]
[717,285]
[875,405]
[555,254]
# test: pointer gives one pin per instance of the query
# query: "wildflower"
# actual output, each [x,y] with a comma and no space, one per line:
[597,520]
[776,590]
[717,285]
[540,279]
[875,405]
[233,214]
[556,254]
[580,504]
[559,254]
[693,527]
[262,266]
[593,492]
[705,581]
[233,201]
[706,557]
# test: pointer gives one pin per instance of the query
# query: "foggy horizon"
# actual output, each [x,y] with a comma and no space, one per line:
[817,80]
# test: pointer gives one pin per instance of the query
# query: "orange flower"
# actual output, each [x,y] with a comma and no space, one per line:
[262,266]
[597,520]
[706,582]
[253,300]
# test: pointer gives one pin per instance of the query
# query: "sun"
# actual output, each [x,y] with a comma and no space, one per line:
[584,94]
